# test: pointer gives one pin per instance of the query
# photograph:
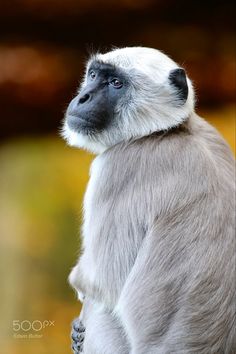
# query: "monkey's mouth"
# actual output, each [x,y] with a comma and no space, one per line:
[79,124]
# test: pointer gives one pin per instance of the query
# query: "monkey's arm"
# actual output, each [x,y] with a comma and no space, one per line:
[176,298]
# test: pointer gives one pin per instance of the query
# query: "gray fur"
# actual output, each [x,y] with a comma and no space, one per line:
[104,332]
[158,262]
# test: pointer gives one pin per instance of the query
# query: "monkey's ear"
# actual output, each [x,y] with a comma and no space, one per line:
[177,78]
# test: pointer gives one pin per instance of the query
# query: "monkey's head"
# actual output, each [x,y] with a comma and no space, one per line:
[126,94]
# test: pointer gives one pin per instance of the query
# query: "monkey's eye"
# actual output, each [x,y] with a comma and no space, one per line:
[116,83]
[92,74]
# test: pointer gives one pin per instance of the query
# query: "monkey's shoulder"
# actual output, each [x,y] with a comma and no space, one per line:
[158,151]
[194,149]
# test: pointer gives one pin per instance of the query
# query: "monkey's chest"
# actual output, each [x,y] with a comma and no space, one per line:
[110,249]
[112,234]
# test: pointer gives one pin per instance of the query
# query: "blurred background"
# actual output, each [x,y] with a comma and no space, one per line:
[43,47]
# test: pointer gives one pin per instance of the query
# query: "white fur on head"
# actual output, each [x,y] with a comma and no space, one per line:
[151,103]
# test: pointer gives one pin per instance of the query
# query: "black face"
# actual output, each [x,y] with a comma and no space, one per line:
[93,109]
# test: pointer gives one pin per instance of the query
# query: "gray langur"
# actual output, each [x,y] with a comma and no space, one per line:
[157,269]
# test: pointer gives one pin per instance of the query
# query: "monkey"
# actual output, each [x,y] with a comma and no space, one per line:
[156,273]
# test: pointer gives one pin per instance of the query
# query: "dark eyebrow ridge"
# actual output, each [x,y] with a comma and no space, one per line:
[99,64]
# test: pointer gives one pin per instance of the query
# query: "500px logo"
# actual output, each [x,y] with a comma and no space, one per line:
[27,326]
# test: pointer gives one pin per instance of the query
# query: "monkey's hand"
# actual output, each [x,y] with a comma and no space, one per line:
[77,335]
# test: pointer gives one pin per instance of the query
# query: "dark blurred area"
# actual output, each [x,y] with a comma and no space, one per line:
[44,44]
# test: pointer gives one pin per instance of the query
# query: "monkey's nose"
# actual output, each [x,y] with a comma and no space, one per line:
[84,98]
